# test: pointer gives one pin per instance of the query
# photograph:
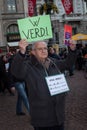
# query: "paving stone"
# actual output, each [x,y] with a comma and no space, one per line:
[75,111]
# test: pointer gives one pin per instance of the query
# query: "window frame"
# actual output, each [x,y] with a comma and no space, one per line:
[13,3]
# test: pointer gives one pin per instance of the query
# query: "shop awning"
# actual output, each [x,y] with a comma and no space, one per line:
[79,36]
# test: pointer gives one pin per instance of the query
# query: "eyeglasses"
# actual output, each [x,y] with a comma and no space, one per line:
[42,49]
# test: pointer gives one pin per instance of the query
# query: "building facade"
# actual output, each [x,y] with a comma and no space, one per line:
[12,10]
[77,19]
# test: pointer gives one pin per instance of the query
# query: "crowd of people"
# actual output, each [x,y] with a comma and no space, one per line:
[26,74]
[8,82]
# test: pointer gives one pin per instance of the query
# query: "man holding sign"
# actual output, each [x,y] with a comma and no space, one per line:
[46,85]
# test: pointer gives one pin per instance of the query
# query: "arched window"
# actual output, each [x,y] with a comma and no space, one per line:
[13,33]
[13,28]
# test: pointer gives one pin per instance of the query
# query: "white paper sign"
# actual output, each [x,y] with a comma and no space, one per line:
[57,84]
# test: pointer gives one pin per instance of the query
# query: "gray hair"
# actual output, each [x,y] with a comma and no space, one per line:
[34,44]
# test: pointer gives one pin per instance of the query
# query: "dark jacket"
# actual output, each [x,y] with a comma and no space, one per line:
[45,110]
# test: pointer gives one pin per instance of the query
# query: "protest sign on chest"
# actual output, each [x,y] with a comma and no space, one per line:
[57,84]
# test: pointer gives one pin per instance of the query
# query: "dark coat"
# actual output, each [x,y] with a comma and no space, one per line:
[45,110]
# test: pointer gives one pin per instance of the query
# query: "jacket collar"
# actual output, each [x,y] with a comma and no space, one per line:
[36,62]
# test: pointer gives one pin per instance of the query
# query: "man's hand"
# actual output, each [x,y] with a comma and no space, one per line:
[22,46]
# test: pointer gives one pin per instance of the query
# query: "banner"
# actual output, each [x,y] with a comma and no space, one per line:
[60,7]
[68,6]
[67,34]
[31,7]
[78,7]
[35,28]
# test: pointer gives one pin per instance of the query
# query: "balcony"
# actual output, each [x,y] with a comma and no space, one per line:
[73,17]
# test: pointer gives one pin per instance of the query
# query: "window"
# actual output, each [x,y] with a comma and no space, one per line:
[74,30]
[12,33]
[11,6]
[48,1]
[85,6]
[12,29]
[57,37]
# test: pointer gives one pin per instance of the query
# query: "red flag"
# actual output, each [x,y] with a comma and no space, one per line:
[67,34]
[31,7]
[68,6]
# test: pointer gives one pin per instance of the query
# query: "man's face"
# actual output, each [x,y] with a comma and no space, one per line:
[40,51]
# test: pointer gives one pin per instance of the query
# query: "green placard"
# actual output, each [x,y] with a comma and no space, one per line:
[35,28]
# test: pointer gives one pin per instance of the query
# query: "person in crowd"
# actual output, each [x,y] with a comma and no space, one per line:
[84,49]
[4,82]
[52,53]
[79,61]
[1,50]
[46,111]
[22,98]
[72,68]
[63,53]
[20,86]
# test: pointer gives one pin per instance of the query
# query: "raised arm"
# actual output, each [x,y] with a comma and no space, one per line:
[22,46]
[67,63]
